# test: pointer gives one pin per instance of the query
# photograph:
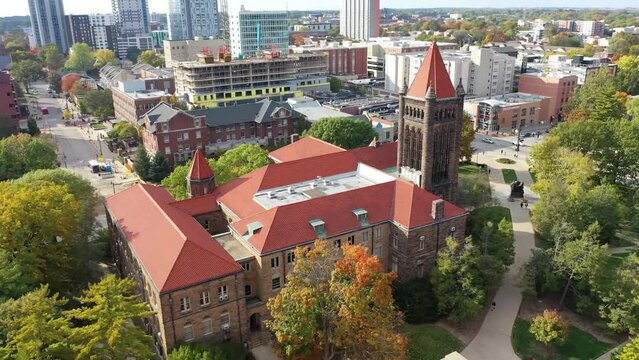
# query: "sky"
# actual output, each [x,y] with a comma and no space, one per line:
[20,7]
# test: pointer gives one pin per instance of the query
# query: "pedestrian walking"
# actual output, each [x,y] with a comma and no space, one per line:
[488,171]
[493,306]
[526,205]
[521,204]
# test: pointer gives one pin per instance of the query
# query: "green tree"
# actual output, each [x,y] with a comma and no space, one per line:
[124,130]
[55,82]
[343,132]
[239,161]
[417,301]
[536,276]
[549,327]
[142,163]
[632,106]
[468,135]
[23,153]
[151,58]
[457,280]
[26,72]
[159,168]
[81,58]
[628,75]
[221,351]
[132,54]
[175,183]
[52,57]
[32,127]
[14,281]
[99,103]
[601,88]
[630,351]
[302,124]
[107,313]
[34,327]
[103,57]
[622,43]
[620,304]
[580,258]
[336,84]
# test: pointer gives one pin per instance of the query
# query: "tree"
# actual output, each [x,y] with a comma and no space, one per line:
[468,135]
[221,351]
[52,57]
[536,276]
[632,105]
[457,280]
[417,301]
[32,127]
[151,58]
[622,43]
[343,132]
[628,75]
[14,281]
[159,168]
[620,303]
[599,87]
[580,258]
[142,163]
[99,103]
[81,58]
[549,327]
[132,54]
[302,124]
[630,351]
[103,57]
[336,84]
[238,161]
[34,327]
[123,130]
[23,153]
[55,82]
[175,183]
[107,310]
[334,308]
[68,82]
[26,72]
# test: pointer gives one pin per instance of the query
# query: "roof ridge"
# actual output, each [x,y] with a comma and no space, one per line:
[163,211]
[325,142]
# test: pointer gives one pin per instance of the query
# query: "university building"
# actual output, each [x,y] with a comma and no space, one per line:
[207,265]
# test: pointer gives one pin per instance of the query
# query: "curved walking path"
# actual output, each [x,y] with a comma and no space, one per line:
[493,341]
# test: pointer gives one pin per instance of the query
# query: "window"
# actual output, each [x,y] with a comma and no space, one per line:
[275,262]
[165,127]
[225,320]
[166,139]
[422,242]
[395,241]
[204,298]
[179,137]
[246,266]
[247,290]
[185,304]
[290,257]
[198,134]
[197,122]
[378,232]
[394,265]
[377,252]
[222,291]
[186,136]
[351,240]
[207,224]
[188,333]
[420,268]
[167,150]
[318,227]
[337,243]
[207,326]
[275,283]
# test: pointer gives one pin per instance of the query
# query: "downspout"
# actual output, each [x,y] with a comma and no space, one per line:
[237,303]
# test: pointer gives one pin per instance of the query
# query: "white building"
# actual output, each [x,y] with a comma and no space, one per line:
[482,71]
[187,50]
[48,23]
[456,16]
[190,18]
[253,32]
[359,19]
[131,16]
[142,42]
[590,28]
[104,31]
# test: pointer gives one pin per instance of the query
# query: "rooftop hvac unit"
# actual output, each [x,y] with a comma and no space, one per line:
[271,195]
[290,190]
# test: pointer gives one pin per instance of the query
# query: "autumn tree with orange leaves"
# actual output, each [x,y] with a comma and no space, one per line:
[337,304]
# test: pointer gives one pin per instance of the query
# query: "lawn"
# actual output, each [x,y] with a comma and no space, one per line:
[505,161]
[509,175]
[474,187]
[98,126]
[579,345]
[479,217]
[430,342]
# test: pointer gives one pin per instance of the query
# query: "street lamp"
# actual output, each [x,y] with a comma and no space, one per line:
[518,136]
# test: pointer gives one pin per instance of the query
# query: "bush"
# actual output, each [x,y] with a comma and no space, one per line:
[505,161]
[416,299]
[223,351]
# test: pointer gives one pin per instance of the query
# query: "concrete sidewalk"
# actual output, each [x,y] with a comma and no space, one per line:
[494,338]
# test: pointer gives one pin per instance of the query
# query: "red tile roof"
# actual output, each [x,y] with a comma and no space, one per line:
[171,245]
[304,148]
[200,168]
[412,206]
[433,73]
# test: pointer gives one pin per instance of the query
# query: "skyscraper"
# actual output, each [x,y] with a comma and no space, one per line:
[257,31]
[190,18]
[79,29]
[131,17]
[359,19]
[47,21]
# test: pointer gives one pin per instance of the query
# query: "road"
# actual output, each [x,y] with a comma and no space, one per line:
[77,145]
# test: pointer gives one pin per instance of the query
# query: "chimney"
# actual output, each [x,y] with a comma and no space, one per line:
[294,137]
[437,210]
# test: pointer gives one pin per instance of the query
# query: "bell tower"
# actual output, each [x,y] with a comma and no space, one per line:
[430,126]
[200,180]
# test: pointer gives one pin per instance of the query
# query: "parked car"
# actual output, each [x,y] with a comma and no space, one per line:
[488,140]
[527,135]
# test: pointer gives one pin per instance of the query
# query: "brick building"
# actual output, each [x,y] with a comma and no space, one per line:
[131,105]
[176,133]
[342,60]
[208,264]
[9,109]
[558,86]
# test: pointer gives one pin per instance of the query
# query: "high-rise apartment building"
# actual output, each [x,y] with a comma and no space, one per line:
[359,19]
[79,29]
[104,31]
[131,16]
[253,32]
[47,21]
[190,18]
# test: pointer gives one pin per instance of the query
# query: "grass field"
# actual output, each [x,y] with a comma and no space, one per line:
[474,186]
[430,342]
[479,217]
[509,175]
[505,161]
[579,345]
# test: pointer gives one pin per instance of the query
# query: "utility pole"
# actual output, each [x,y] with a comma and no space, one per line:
[518,136]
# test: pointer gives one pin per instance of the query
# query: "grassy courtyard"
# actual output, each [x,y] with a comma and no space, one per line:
[474,186]
[430,342]
[509,175]
[579,345]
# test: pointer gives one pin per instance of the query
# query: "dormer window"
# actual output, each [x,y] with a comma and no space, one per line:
[362,216]
[253,228]
[318,227]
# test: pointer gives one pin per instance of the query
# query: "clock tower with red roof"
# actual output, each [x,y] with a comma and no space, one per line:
[430,126]
[200,179]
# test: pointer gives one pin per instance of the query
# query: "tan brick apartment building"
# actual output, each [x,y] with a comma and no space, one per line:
[558,86]
[208,264]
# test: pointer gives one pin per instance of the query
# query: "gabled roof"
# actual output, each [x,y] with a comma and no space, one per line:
[259,112]
[161,112]
[200,169]
[432,73]
[173,248]
[304,148]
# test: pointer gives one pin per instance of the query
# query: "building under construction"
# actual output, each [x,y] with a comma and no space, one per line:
[219,81]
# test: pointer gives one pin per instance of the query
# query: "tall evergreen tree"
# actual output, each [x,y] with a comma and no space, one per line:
[159,168]
[142,163]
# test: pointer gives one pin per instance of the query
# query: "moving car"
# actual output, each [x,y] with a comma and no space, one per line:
[45,111]
[488,140]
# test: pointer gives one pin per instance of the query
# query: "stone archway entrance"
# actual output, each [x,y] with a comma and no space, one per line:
[255,323]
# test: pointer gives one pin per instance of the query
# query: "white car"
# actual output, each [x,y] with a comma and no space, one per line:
[488,140]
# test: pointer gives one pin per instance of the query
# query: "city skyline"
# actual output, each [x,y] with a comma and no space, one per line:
[161,6]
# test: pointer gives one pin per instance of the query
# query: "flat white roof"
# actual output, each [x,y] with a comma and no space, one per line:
[364,176]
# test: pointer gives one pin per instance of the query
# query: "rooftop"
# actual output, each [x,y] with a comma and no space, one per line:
[304,148]
[432,76]
[232,246]
[509,99]
[147,94]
